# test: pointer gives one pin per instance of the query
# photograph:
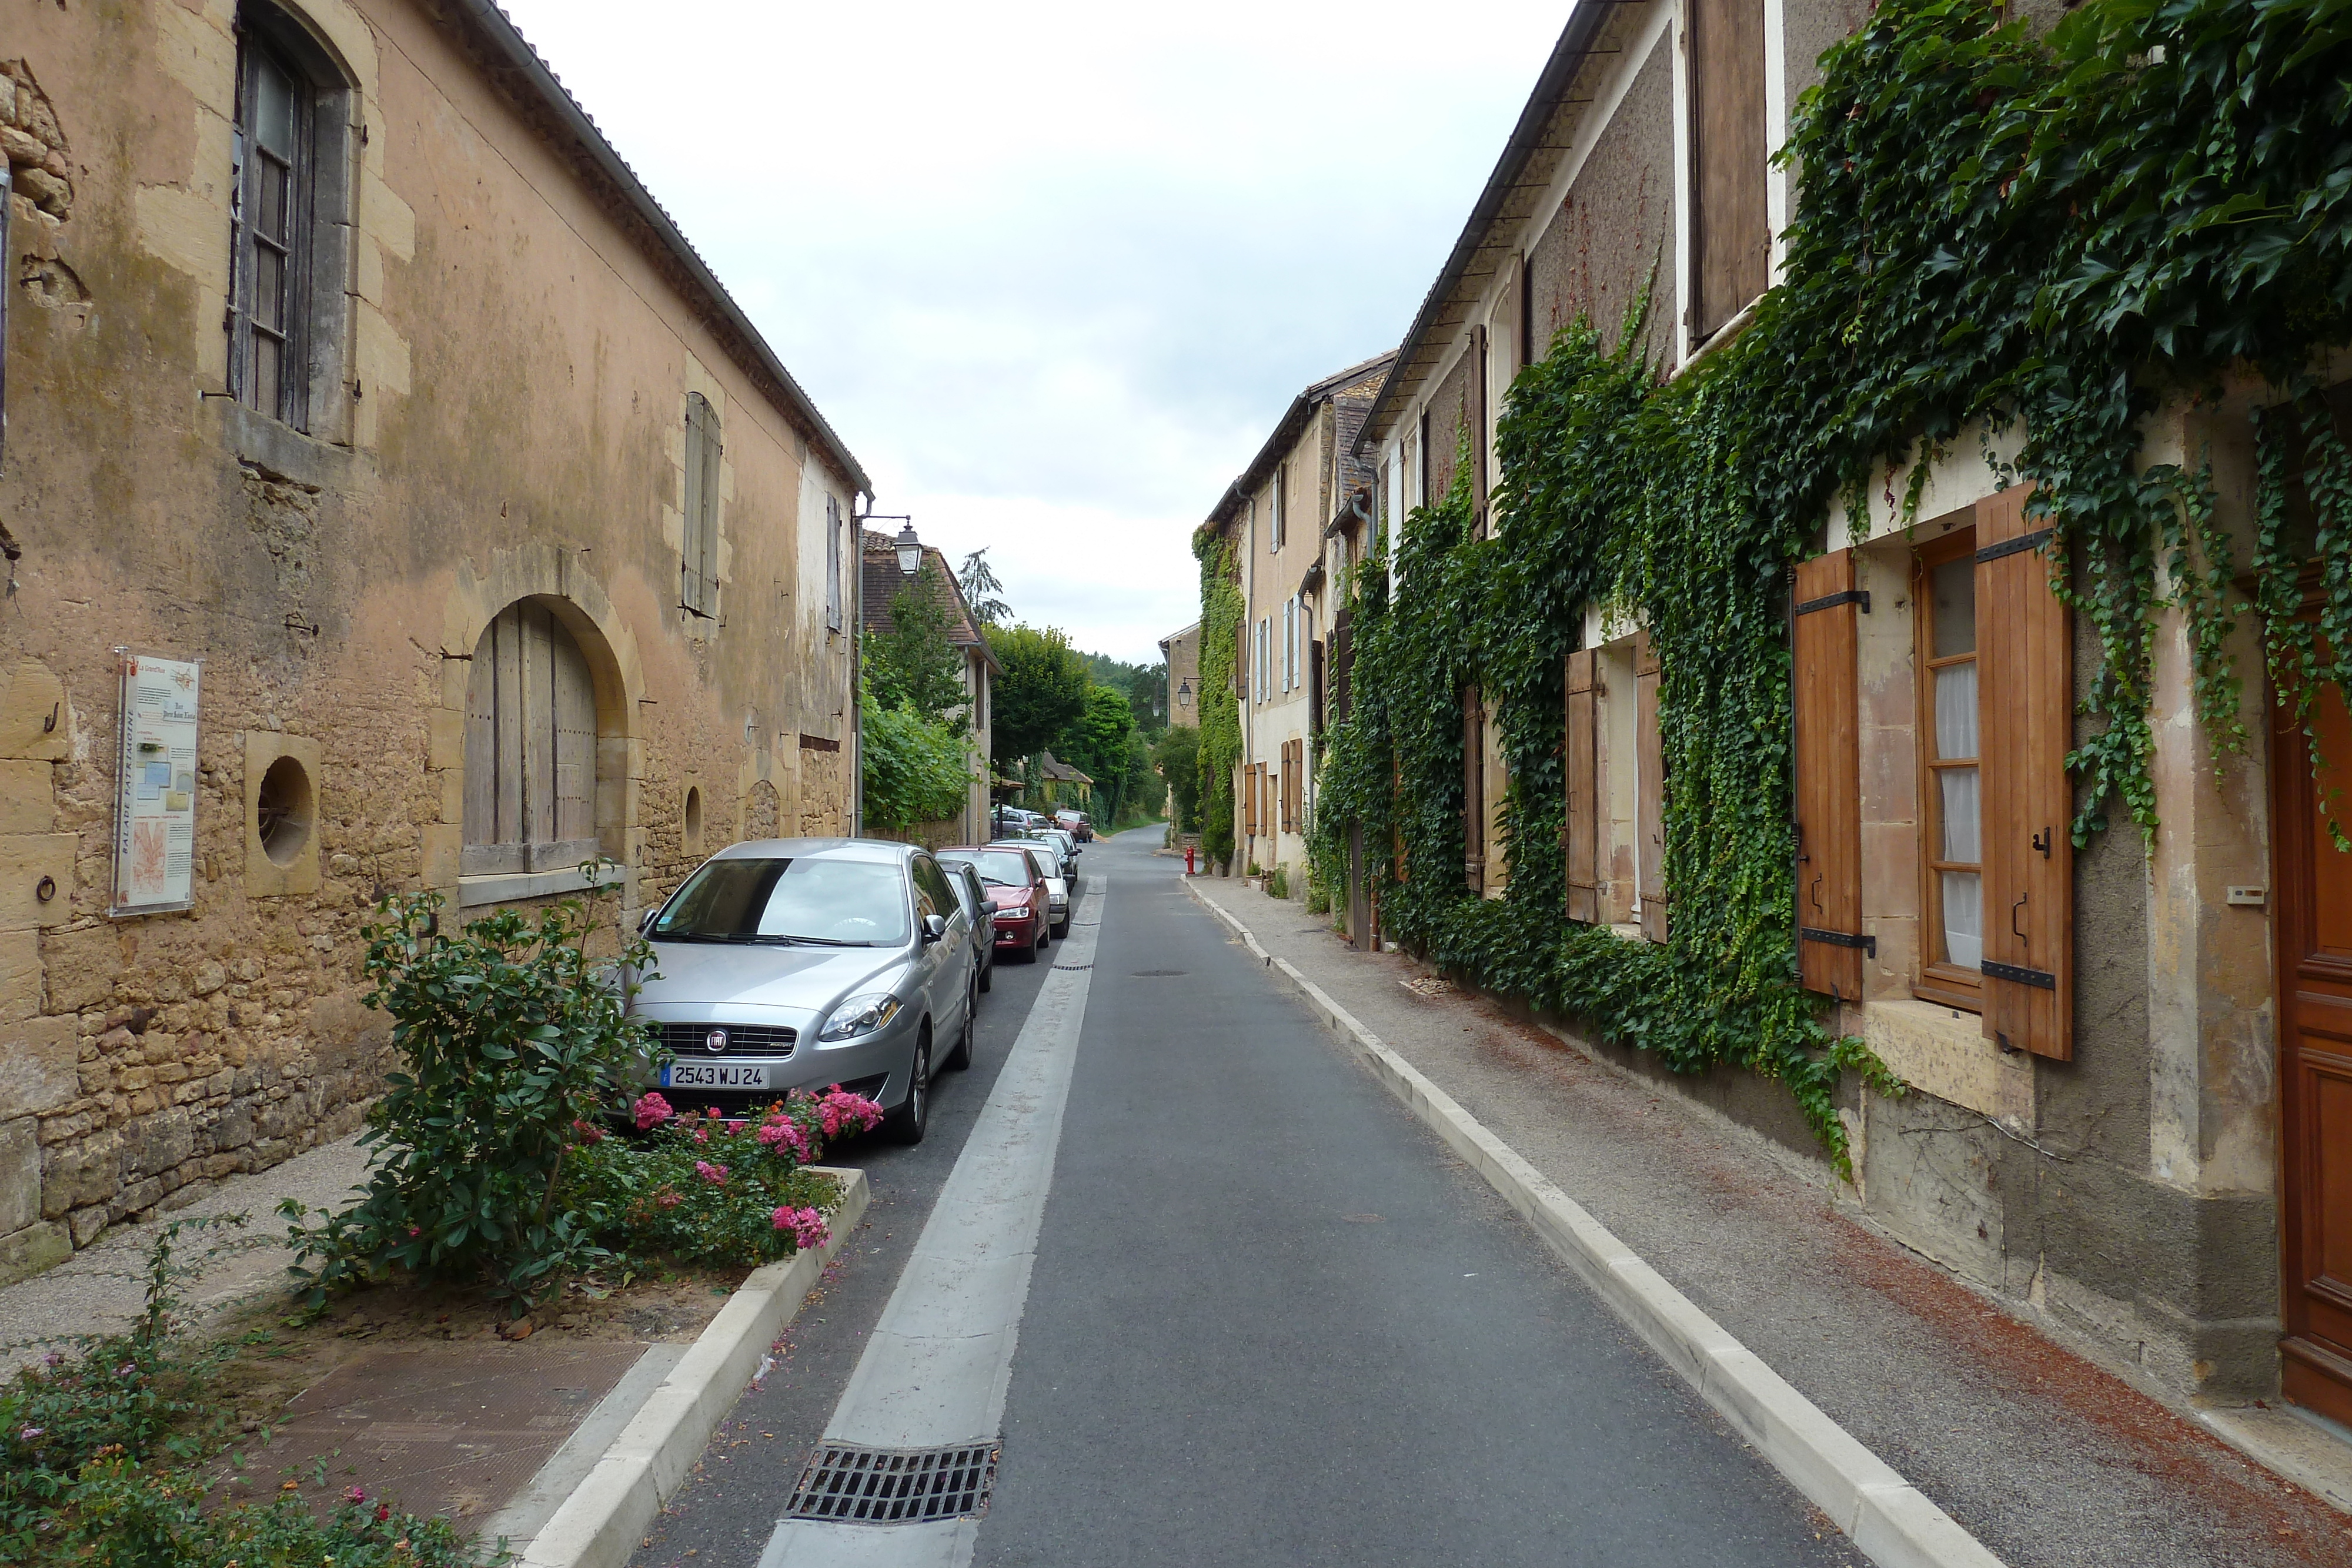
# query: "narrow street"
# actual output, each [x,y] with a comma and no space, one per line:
[1270,1320]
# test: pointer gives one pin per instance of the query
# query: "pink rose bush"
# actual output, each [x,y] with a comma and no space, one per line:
[697,1186]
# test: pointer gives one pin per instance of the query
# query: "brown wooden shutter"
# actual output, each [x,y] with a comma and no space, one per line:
[2025,723]
[1650,824]
[1731,231]
[1474,802]
[1830,943]
[1583,830]
[1241,660]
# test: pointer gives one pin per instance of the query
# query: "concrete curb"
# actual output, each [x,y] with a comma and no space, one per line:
[1892,1522]
[599,1525]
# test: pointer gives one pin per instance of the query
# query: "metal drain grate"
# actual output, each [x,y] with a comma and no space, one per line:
[1072,968]
[851,1485]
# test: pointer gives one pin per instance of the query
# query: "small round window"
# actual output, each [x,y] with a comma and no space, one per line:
[694,821]
[282,811]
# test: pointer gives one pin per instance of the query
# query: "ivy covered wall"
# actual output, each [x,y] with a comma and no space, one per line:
[2055,235]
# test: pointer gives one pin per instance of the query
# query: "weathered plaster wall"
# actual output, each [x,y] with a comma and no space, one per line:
[510,426]
[1613,237]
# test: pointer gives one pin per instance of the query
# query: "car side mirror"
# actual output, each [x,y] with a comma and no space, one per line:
[646,921]
[934,927]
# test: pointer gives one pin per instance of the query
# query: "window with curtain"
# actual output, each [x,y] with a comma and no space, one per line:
[1951,837]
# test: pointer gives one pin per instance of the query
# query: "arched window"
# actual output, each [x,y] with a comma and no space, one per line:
[530,747]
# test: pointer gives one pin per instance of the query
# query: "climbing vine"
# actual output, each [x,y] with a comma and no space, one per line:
[2051,237]
[1221,723]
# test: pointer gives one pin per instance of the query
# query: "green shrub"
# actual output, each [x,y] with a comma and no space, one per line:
[914,768]
[511,1037]
[108,1453]
[1277,882]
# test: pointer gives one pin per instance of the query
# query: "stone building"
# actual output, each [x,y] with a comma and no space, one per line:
[885,573]
[1181,651]
[1292,517]
[2106,1123]
[449,524]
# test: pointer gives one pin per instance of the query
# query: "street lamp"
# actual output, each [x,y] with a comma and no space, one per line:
[910,550]
[1184,694]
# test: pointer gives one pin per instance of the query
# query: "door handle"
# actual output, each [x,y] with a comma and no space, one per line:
[1817,893]
[2013,924]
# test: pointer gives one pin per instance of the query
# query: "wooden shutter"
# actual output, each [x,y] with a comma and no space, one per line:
[1830,943]
[691,594]
[1315,686]
[1731,231]
[1651,817]
[2025,727]
[1473,795]
[1241,659]
[1583,829]
[707,531]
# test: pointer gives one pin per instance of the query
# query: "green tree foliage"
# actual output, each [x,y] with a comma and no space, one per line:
[1220,745]
[1041,690]
[916,768]
[913,663]
[2046,233]
[1177,760]
[1097,744]
[981,588]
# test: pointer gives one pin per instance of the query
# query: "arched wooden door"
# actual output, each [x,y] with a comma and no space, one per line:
[2312,892]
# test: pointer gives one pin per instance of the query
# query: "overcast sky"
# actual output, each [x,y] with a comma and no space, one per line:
[1053,271]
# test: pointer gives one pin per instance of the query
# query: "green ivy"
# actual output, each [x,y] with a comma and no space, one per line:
[2053,235]
[1221,719]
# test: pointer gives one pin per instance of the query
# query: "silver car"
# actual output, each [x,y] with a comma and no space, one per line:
[800,963]
[1057,886]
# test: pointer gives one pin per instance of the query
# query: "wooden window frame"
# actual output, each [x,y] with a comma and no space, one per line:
[290,406]
[1938,981]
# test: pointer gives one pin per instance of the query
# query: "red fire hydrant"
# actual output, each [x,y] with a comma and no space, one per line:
[1188,860]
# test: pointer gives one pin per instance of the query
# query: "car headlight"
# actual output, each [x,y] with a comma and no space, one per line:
[860,1016]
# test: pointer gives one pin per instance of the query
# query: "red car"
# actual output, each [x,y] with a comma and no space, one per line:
[1016,888]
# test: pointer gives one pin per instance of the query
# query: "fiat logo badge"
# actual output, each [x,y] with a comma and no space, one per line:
[715,1041]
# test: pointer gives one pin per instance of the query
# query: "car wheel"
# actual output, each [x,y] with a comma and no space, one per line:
[960,1057]
[1062,928]
[906,1122]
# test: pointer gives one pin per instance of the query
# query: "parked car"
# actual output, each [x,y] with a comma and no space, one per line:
[1015,889]
[978,909]
[1080,826]
[790,963]
[1011,819]
[1065,845]
[1057,886]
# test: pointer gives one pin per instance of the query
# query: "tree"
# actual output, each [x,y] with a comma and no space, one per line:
[913,663]
[1096,741]
[981,588]
[1041,690]
[1178,760]
[914,767]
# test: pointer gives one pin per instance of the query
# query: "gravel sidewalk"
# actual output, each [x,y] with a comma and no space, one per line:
[2049,1460]
[99,1288]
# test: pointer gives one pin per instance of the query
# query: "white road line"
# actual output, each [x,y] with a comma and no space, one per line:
[935,1369]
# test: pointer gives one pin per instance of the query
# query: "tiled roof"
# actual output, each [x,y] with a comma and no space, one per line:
[883,579]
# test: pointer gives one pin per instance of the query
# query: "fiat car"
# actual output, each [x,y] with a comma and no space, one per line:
[787,964]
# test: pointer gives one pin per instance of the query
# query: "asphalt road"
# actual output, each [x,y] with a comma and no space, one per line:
[1270,1320]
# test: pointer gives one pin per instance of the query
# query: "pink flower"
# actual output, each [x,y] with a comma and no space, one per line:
[702,1135]
[355,1495]
[715,1175]
[838,1110]
[589,1132]
[786,1135]
[806,1225]
[652,1111]
[668,1199]
[383,1511]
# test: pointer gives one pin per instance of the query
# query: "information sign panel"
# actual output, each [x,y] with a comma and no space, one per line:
[155,798]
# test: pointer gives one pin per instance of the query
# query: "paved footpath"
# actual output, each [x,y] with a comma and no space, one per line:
[1226,1302]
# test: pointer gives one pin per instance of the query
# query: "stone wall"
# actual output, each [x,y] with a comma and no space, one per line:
[501,423]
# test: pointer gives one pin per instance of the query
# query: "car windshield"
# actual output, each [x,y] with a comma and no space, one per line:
[998,868]
[823,903]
